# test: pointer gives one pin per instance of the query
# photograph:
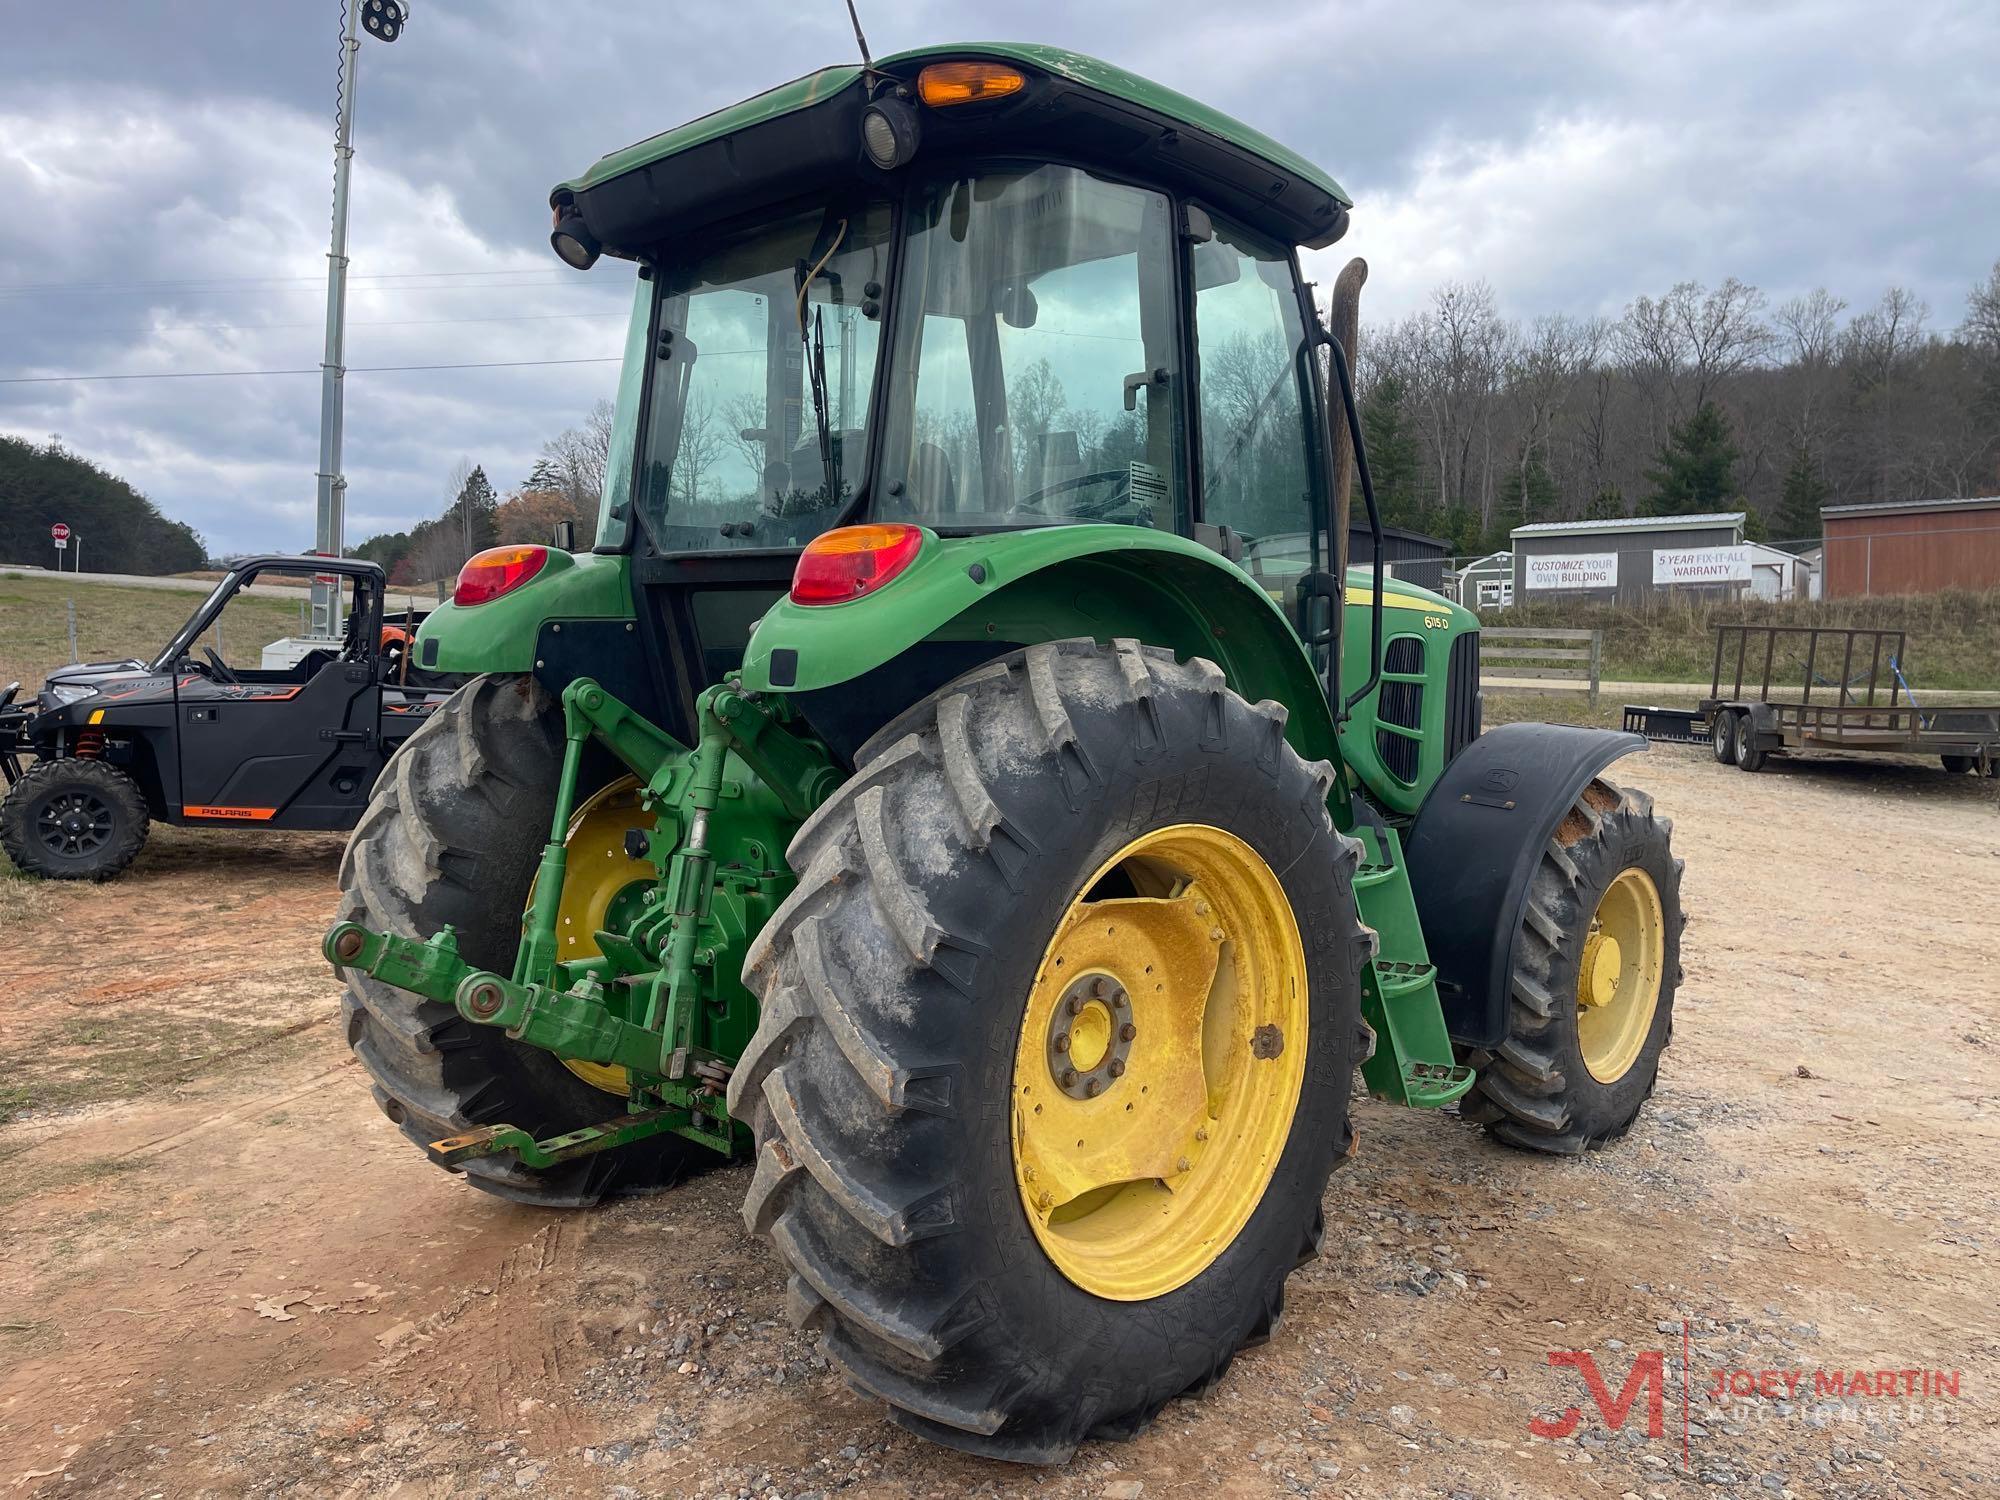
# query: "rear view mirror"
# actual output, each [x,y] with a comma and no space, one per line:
[565,538]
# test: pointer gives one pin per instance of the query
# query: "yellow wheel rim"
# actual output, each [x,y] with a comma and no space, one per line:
[599,873]
[1160,1062]
[1618,980]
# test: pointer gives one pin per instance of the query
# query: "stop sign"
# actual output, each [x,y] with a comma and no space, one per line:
[60,531]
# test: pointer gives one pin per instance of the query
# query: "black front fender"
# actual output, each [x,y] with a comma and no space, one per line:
[1473,850]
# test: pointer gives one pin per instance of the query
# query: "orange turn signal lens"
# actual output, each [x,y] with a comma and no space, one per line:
[968,82]
[852,561]
[496,571]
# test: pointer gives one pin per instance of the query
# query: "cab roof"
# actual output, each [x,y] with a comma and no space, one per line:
[1075,107]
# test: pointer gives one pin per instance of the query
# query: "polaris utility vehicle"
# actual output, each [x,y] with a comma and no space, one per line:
[189,739]
[934,790]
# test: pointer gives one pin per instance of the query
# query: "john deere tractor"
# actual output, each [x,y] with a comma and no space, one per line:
[966,781]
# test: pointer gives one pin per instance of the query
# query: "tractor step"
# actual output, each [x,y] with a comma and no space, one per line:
[1397,979]
[1370,875]
[1432,1085]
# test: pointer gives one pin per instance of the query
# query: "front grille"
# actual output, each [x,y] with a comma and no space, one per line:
[1462,702]
[1401,703]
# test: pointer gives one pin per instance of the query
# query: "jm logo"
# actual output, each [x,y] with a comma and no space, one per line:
[1648,1375]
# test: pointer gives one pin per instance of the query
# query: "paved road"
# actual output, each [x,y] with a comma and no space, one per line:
[398,598]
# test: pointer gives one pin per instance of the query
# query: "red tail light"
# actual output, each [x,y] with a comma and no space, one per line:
[496,571]
[854,560]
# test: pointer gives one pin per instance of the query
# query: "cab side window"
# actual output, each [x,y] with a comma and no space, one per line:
[1256,455]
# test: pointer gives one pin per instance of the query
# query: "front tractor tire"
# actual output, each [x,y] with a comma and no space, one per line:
[1056,1042]
[73,818]
[452,835]
[1597,962]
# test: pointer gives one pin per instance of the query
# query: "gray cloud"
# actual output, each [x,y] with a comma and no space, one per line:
[1573,154]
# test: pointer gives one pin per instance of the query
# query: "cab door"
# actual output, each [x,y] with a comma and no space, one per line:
[1257,439]
[293,745]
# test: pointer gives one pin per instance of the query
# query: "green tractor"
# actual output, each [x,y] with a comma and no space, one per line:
[965,781]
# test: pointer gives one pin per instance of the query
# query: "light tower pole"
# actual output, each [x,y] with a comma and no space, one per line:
[383,19]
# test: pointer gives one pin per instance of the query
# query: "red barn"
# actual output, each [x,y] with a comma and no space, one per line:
[1911,547]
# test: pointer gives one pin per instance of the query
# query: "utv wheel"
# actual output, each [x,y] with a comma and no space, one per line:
[1056,1042]
[452,835]
[1723,737]
[73,819]
[1596,967]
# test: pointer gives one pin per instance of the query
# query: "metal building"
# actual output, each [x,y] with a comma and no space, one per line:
[1911,547]
[1630,559]
[1408,555]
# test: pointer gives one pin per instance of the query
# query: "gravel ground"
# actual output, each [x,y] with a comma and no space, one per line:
[222,1271]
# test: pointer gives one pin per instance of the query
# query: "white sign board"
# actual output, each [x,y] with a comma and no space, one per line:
[1702,565]
[1581,570]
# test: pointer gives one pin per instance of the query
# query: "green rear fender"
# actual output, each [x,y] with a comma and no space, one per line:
[500,635]
[1052,583]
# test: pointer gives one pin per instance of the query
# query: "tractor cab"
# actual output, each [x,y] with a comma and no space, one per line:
[1023,290]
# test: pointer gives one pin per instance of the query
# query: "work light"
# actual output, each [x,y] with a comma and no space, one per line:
[889,132]
[573,240]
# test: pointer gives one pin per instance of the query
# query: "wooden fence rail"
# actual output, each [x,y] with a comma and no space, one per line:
[1542,661]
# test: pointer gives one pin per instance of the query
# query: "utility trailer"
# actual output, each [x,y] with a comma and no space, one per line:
[1791,688]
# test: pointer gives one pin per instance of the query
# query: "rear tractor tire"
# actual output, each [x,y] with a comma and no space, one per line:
[1055,1049]
[1597,962]
[452,835]
[73,819]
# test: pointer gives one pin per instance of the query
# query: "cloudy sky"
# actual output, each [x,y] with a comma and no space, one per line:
[167,169]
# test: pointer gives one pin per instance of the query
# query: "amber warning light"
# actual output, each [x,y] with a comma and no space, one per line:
[943,84]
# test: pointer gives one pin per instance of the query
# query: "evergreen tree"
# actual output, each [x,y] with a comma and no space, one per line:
[471,514]
[1695,470]
[1392,452]
[1529,495]
[1798,519]
[1608,504]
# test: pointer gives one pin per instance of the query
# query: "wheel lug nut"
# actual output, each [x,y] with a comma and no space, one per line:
[1127,1032]
[1102,988]
[1074,1004]
[1094,1087]
[1201,1133]
[1062,1041]
[1069,1078]
[1183,1164]
[1117,1067]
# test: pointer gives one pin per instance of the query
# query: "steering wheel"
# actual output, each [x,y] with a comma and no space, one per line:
[218,668]
[1090,510]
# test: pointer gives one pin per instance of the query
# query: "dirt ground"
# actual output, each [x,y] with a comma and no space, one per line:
[223,1271]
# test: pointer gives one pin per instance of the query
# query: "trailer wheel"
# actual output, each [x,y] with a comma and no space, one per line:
[452,835]
[1596,968]
[1958,765]
[1749,754]
[1055,1050]
[1723,737]
[73,819]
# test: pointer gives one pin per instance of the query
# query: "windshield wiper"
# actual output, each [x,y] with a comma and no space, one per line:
[812,334]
